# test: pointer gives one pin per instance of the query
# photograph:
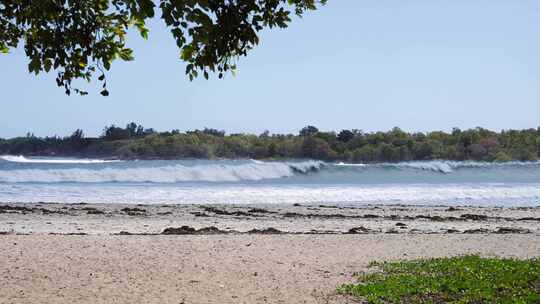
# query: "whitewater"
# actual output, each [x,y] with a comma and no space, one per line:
[70,180]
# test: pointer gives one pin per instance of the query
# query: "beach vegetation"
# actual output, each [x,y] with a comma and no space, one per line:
[464,279]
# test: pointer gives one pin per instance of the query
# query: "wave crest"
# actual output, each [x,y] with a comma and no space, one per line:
[22,159]
[442,166]
[251,171]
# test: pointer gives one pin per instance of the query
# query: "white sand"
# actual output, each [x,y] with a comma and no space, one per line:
[215,269]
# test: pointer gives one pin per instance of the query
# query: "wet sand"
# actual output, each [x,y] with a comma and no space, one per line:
[233,254]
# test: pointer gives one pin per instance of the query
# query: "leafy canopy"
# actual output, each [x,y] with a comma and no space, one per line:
[81,38]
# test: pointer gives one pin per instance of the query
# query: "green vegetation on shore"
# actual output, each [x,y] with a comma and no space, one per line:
[467,279]
[135,141]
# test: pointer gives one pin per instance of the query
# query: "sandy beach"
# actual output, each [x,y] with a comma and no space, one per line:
[216,269]
[82,253]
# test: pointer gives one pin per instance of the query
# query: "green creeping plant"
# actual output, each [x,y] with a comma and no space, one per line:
[466,279]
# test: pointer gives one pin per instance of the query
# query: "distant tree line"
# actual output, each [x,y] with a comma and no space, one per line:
[135,141]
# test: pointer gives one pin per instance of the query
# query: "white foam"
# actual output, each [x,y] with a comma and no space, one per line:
[22,159]
[436,166]
[452,194]
[342,164]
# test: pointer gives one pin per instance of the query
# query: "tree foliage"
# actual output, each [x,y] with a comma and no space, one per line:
[135,141]
[81,38]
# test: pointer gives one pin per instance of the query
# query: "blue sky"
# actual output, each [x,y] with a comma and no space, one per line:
[371,65]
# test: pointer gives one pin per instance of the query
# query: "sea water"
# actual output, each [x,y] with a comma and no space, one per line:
[68,180]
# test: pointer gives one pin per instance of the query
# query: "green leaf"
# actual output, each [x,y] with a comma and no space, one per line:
[48,65]
[126,54]
[187,53]
[144,34]
[147,6]
[104,92]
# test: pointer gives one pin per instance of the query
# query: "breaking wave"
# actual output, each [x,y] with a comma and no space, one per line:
[22,159]
[102,171]
[250,171]
[443,166]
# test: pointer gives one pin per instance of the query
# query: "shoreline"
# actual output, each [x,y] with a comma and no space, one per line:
[208,219]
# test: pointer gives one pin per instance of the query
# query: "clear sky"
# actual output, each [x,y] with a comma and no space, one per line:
[371,65]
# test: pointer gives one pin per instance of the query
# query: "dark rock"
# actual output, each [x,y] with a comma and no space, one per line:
[474,217]
[507,230]
[265,231]
[225,212]
[186,230]
[95,211]
[452,209]
[293,214]
[200,214]
[181,230]
[48,211]
[476,231]
[6,209]
[392,231]
[128,210]
[536,219]
[259,210]
[211,230]
[401,225]
[165,213]
[315,231]
[452,231]
[358,230]
[434,218]
[326,206]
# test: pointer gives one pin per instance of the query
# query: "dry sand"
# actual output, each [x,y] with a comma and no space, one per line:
[216,268]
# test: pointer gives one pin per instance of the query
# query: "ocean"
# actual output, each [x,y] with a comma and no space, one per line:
[446,183]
